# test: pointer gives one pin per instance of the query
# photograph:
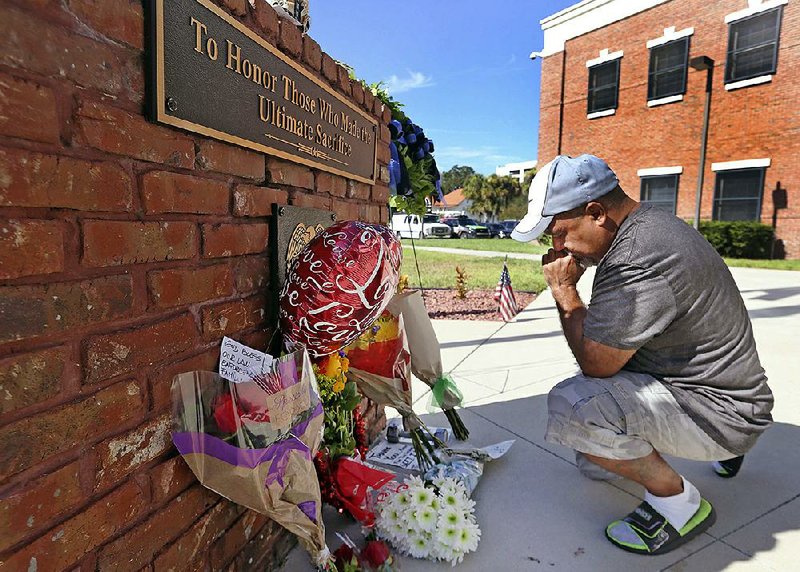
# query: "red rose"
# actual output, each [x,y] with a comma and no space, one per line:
[343,555]
[225,413]
[375,553]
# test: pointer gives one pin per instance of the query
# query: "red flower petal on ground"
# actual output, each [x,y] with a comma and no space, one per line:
[375,553]
[343,554]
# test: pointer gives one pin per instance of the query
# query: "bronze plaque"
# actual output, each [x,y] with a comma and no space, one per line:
[216,77]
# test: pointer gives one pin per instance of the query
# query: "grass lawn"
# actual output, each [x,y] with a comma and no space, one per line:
[493,244]
[769,264]
[438,270]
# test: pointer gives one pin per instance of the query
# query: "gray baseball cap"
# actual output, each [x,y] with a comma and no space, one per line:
[559,186]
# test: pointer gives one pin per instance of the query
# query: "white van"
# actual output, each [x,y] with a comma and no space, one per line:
[414,226]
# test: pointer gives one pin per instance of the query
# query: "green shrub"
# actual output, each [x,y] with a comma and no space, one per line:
[738,239]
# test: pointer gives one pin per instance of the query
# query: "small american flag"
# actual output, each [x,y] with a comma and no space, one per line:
[505,296]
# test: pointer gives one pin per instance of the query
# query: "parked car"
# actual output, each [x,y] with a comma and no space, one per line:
[414,226]
[508,226]
[496,230]
[464,227]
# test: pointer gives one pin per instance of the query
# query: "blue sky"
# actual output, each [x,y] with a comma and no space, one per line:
[461,67]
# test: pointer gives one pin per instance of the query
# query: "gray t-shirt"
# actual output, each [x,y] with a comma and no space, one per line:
[662,290]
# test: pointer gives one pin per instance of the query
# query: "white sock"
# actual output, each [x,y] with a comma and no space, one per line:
[677,509]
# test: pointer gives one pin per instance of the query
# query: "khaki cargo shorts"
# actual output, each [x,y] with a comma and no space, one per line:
[624,417]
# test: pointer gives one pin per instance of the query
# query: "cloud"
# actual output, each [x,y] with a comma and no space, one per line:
[414,80]
[487,154]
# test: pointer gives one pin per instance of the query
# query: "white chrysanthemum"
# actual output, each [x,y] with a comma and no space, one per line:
[467,538]
[426,518]
[451,516]
[421,497]
[448,535]
[391,515]
[414,482]
[419,546]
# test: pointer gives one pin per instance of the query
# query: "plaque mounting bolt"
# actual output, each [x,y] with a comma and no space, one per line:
[281,211]
[172,104]
[333,217]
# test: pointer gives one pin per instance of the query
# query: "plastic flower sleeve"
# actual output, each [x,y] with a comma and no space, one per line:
[426,357]
[254,442]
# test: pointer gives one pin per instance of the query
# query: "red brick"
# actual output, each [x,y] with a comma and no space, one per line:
[383,153]
[34,180]
[30,247]
[136,549]
[190,548]
[31,377]
[252,273]
[165,192]
[34,438]
[312,53]
[345,210]
[229,159]
[28,110]
[249,200]
[267,20]
[332,184]
[64,545]
[119,456]
[310,201]
[171,478]
[170,288]
[118,19]
[231,317]
[380,194]
[124,352]
[122,133]
[292,174]
[377,109]
[31,508]
[237,7]
[385,134]
[221,240]
[265,547]
[114,243]
[53,51]
[384,216]
[228,547]
[356,190]
[358,92]
[386,118]
[30,311]
[290,39]
[161,379]
[343,82]
[383,174]
[330,69]
[369,100]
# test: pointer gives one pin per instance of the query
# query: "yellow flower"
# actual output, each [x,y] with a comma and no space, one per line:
[345,364]
[338,385]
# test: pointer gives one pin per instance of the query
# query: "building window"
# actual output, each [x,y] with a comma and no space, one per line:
[660,191]
[753,46]
[668,67]
[603,86]
[737,194]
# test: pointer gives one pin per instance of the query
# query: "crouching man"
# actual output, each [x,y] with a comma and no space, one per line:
[665,347]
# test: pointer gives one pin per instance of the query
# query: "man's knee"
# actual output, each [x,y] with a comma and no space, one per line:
[583,401]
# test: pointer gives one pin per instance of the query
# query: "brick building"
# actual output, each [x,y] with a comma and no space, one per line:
[617,81]
[128,249]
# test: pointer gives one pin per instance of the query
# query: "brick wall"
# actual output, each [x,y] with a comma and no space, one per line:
[748,123]
[127,250]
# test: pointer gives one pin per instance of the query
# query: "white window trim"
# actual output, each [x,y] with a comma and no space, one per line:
[656,171]
[665,100]
[604,57]
[669,35]
[754,7]
[748,82]
[745,164]
[604,113]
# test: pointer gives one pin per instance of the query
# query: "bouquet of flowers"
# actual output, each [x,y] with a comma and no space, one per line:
[435,523]
[426,357]
[381,366]
[253,442]
[374,557]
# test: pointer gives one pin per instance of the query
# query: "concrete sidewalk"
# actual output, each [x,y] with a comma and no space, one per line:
[536,512]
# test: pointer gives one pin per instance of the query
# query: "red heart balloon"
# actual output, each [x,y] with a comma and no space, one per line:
[338,286]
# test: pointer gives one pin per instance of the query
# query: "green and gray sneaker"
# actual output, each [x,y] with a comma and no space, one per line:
[646,531]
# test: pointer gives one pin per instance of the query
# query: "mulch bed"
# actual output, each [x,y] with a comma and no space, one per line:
[478,305]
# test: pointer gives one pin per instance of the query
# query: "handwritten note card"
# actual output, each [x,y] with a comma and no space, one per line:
[284,405]
[240,363]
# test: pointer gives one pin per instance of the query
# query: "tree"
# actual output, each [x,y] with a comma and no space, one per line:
[517,207]
[489,195]
[455,177]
